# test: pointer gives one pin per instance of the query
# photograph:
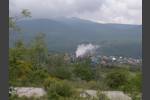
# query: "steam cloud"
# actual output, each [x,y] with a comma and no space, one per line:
[86,49]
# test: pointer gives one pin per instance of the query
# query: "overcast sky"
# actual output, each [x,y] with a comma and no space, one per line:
[107,11]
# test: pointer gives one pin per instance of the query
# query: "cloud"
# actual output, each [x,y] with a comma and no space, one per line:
[108,11]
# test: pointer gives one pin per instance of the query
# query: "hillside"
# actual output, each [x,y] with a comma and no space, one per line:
[63,35]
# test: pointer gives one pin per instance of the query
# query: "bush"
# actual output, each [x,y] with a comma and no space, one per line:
[19,72]
[101,96]
[38,76]
[84,72]
[137,82]
[61,72]
[136,96]
[57,89]
[49,81]
[92,85]
[134,84]
[117,79]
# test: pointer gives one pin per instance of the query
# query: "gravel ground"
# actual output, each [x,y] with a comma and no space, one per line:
[112,95]
[38,92]
[117,95]
[29,91]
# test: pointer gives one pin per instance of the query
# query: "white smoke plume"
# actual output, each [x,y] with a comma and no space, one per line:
[86,49]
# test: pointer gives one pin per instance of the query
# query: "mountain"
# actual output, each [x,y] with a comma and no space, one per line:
[64,34]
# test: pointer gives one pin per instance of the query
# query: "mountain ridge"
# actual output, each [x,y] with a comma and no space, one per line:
[66,34]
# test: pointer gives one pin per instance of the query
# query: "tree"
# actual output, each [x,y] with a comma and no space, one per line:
[39,50]
[14,19]
[26,13]
[13,27]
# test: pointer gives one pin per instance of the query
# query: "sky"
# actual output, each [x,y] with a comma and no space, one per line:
[102,11]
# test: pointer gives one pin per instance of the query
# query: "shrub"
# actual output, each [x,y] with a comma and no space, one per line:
[61,72]
[19,72]
[57,89]
[84,72]
[101,96]
[92,85]
[116,79]
[136,96]
[38,76]
[134,84]
[49,81]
